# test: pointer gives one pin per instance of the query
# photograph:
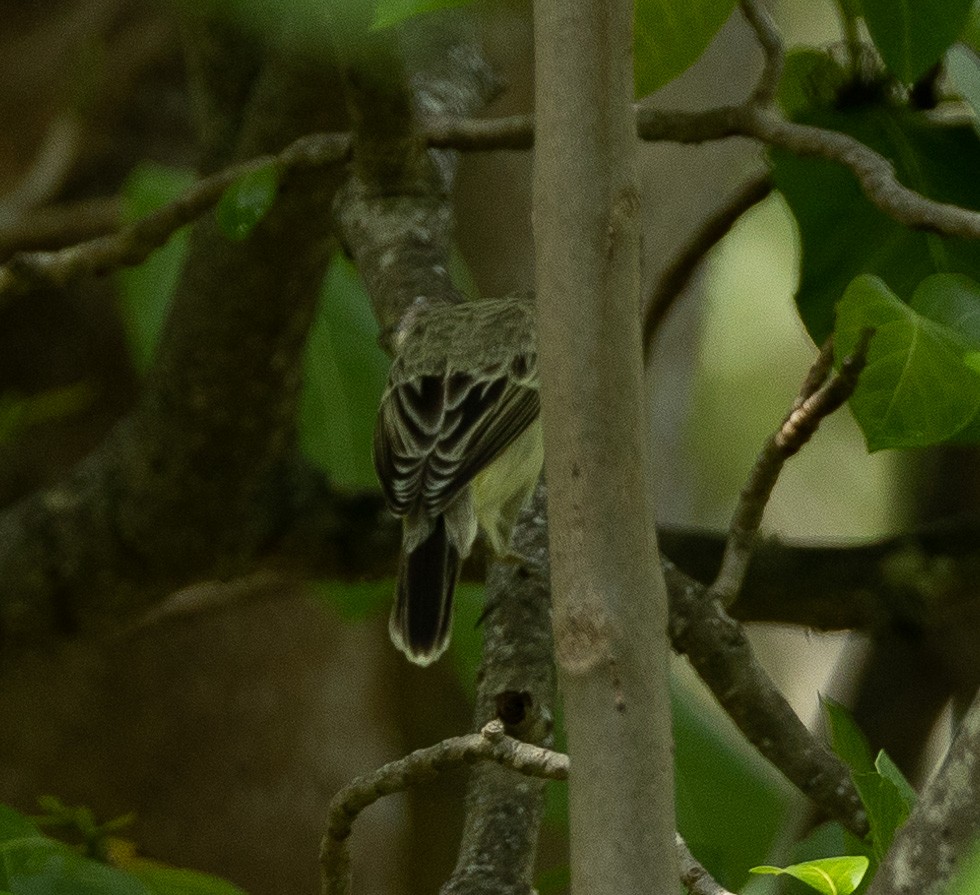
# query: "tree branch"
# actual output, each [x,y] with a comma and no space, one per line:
[491,744]
[675,277]
[943,827]
[819,397]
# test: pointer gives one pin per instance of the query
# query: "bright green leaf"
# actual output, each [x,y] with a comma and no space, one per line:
[963,69]
[247,201]
[158,879]
[830,876]
[670,35]
[393,12]
[915,389]
[912,35]
[891,771]
[846,738]
[145,291]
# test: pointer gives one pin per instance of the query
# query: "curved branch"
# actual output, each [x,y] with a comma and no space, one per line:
[674,279]
[491,744]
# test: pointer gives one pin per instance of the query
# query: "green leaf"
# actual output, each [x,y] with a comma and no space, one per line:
[963,69]
[886,807]
[916,389]
[830,876]
[245,202]
[842,234]
[846,738]
[670,35]
[344,375]
[912,35]
[393,12]
[158,879]
[891,771]
[144,291]
[730,806]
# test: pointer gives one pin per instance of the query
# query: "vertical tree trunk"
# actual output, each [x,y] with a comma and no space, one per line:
[608,591]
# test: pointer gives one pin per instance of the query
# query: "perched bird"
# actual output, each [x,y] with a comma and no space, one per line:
[457,443]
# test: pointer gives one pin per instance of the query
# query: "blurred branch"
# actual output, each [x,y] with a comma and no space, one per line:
[490,744]
[47,173]
[943,827]
[60,225]
[674,279]
[133,243]
[819,397]
[771,42]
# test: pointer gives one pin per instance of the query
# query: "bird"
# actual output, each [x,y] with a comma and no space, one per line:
[457,446]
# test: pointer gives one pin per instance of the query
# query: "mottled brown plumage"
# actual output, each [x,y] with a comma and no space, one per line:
[462,389]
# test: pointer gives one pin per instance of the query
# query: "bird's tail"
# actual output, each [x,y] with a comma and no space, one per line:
[421,619]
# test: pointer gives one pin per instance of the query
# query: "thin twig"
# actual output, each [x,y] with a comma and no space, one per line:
[674,279]
[772,46]
[819,397]
[693,875]
[491,744]
[133,244]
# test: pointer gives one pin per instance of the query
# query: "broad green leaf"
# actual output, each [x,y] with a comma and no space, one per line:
[842,234]
[393,12]
[912,35]
[916,389]
[670,35]
[886,807]
[891,771]
[344,375]
[963,69]
[243,205]
[145,291]
[830,876]
[730,806]
[158,879]
[846,738]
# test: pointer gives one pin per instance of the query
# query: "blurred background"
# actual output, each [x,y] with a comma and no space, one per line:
[227,734]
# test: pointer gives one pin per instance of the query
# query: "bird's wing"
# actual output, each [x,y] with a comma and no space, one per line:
[434,434]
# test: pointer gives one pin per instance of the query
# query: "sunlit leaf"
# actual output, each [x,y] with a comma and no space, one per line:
[829,876]
[670,35]
[912,35]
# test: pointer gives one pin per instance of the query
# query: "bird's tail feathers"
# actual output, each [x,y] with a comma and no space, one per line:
[421,619]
